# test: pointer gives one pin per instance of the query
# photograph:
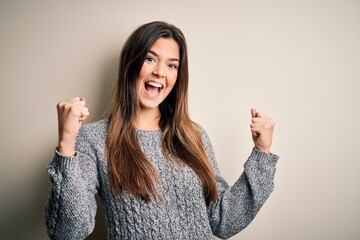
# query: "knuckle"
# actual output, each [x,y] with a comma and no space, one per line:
[72,109]
[67,106]
[60,104]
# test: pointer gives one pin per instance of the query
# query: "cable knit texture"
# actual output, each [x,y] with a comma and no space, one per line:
[179,213]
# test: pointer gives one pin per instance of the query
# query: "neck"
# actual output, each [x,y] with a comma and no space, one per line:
[147,119]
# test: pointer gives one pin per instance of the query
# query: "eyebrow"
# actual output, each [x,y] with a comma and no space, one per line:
[157,55]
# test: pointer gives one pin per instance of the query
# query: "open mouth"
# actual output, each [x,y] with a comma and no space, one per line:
[153,88]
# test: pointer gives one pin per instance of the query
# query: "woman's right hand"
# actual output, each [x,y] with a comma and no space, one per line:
[71,114]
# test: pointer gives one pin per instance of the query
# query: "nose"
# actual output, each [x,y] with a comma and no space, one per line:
[159,71]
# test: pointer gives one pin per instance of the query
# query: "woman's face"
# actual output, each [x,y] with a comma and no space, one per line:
[158,73]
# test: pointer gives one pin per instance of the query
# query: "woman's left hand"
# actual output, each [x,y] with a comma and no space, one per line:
[262,128]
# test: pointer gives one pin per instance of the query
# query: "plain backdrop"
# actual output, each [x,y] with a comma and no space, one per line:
[296,61]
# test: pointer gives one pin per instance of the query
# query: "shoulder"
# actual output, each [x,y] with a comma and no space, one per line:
[95,131]
[98,127]
[207,144]
[204,135]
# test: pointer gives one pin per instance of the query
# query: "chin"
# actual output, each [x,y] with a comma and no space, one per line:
[149,106]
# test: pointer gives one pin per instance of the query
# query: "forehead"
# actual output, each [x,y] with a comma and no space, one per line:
[166,48]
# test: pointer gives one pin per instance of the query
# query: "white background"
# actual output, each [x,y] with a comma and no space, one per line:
[296,61]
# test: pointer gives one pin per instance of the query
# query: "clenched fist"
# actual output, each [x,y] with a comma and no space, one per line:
[71,114]
[262,128]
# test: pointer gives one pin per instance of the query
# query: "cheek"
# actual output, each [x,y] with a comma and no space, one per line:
[172,83]
[173,80]
[145,70]
[142,73]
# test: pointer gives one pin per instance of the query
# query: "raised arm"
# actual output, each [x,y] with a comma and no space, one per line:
[71,207]
[238,205]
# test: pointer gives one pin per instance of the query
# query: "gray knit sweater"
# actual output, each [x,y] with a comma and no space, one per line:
[179,213]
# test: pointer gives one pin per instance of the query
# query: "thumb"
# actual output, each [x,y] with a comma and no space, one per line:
[82,100]
[253,112]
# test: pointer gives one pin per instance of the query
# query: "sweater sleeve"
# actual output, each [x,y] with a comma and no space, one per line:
[237,206]
[71,206]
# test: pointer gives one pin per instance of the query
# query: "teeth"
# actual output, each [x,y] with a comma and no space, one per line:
[154,84]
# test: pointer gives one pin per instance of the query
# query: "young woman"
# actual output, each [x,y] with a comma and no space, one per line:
[153,168]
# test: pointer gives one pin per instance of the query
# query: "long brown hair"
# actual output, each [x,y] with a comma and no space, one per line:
[129,169]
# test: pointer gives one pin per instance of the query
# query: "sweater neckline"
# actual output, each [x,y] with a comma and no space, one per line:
[148,133]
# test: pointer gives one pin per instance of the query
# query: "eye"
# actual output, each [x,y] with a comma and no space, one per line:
[173,66]
[149,59]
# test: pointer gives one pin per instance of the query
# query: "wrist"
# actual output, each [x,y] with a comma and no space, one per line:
[265,150]
[66,148]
